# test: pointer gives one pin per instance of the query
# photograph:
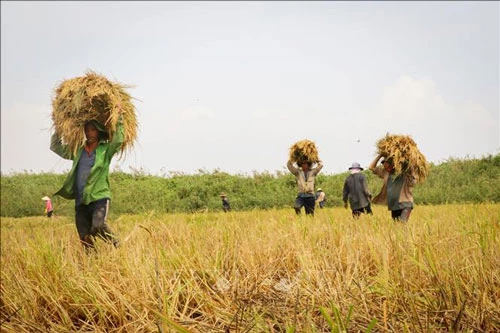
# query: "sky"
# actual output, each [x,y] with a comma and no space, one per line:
[231,86]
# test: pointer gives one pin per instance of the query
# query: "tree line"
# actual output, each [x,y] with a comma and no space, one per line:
[453,181]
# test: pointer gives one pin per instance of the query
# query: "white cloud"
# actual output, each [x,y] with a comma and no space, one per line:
[26,130]
[441,128]
[323,81]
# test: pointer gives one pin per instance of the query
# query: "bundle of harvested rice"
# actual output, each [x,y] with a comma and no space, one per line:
[304,150]
[405,155]
[92,96]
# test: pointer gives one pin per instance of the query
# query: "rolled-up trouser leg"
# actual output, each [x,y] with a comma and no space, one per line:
[99,226]
[298,205]
[356,213]
[405,214]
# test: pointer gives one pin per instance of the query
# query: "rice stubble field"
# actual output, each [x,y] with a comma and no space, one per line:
[257,271]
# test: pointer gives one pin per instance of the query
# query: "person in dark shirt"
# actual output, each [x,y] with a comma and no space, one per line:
[225,202]
[356,192]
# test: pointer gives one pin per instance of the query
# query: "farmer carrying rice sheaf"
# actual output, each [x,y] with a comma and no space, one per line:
[402,167]
[78,119]
[304,154]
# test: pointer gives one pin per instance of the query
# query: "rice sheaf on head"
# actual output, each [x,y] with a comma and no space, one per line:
[405,155]
[88,97]
[304,151]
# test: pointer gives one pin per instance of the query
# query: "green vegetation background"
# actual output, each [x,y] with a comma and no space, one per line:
[453,181]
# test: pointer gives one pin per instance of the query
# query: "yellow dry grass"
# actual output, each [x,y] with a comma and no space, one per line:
[405,155]
[92,96]
[259,271]
[304,150]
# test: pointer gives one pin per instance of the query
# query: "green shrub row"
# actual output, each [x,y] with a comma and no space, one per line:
[453,181]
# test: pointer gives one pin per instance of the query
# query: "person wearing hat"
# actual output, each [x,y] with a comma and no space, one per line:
[320,198]
[49,209]
[397,190]
[356,191]
[225,202]
[305,176]
[88,182]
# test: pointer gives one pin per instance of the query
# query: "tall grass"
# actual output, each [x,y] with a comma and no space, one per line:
[257,271]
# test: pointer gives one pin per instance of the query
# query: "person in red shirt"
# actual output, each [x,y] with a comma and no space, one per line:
[49,209]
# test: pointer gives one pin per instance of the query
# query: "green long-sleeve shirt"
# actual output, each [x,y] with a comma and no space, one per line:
[97,186]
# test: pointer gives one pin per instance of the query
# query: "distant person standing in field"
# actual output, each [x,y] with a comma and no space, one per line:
[397,191]
[225,202]
[320,198]
[49,209]
[356,192]
[305,176]
[88,183]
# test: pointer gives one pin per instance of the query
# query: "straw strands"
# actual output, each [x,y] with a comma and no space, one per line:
[92,96]
[304,150]
[405,155]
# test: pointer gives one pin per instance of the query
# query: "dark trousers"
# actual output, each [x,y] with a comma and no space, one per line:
[402,215]
[91,222]
[357,212]
[307,202]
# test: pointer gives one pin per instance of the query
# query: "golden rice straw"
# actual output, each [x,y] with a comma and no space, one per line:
[92,96]
[405,155]
[304,150]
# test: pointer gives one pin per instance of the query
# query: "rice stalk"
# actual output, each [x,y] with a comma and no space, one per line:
[304,151]
[405,155]
[88,97]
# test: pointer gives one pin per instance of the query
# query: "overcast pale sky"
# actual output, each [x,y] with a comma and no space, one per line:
[232,85]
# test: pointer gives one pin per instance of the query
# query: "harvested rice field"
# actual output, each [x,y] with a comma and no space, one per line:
[257,271]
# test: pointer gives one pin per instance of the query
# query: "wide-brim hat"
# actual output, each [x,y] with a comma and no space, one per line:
[319,189]
[223,194]
[355,165]
[45,198]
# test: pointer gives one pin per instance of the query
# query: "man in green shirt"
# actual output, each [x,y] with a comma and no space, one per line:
[88,181]
[397,191]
